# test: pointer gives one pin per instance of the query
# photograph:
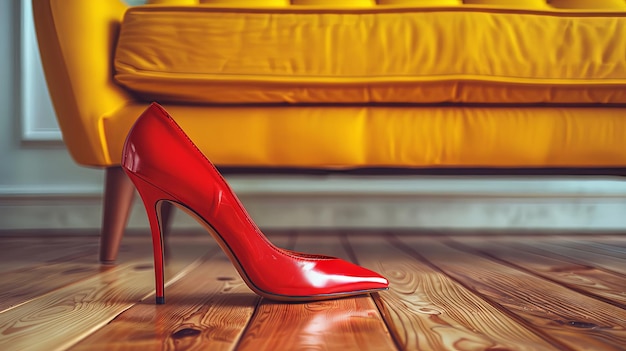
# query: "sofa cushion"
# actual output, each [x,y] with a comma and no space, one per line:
[397,136]
[313,54]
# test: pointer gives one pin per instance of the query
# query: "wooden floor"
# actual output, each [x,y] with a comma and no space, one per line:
[448,292]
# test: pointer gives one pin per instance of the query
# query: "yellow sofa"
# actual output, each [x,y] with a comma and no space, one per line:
[310,84]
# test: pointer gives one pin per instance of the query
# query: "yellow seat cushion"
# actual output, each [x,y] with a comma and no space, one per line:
[381,53]
[360,136]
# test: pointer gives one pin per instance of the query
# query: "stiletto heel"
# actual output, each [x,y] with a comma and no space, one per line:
[165,165]
[153,198]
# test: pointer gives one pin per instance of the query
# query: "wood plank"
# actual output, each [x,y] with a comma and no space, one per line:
[607,248]
[36,243]
[584,257]
[29,282]
[22,285]
[62,317]
[207,309]
[614,246]
[606,286]
[426,310]
[21,252]
[577,321]
[341,324]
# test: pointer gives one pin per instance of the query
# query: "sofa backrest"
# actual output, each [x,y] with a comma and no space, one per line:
[380,54]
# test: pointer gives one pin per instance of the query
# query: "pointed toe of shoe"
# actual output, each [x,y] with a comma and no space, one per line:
[371,280]
[346,277]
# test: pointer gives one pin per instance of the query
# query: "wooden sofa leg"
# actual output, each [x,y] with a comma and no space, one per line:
[119,193]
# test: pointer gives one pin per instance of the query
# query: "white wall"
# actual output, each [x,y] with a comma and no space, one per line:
[31,167]
[41,187]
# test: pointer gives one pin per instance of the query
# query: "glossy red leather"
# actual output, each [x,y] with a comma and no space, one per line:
[165,165]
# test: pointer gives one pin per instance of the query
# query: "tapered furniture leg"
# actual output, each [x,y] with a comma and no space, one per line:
[119,194]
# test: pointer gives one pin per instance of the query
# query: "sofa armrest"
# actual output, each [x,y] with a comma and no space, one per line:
[76,41]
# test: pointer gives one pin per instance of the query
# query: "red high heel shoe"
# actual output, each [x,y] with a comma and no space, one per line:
[165,165]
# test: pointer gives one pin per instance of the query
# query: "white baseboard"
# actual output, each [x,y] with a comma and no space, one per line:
[362,203]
